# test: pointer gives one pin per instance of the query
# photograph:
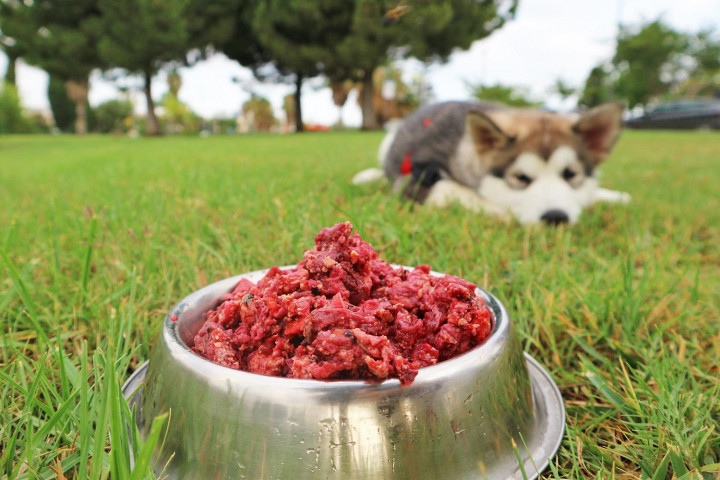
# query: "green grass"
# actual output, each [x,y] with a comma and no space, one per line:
[100,236]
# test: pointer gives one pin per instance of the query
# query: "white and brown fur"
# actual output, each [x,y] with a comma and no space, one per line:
[530,164]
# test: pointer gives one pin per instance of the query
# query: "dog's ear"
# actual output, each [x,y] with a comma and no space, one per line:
[599,128]
[485,133]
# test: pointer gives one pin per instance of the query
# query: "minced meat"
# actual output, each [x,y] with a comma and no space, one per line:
[343,313]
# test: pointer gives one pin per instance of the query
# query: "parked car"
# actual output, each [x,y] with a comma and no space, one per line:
[681,114]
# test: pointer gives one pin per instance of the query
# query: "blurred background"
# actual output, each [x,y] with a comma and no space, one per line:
[231,66]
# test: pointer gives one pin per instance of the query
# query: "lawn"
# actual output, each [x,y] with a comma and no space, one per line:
[100,236]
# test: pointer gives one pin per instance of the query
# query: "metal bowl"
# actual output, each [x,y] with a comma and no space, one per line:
[491,412]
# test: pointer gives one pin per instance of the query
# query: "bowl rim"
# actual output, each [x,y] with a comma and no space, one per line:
[181,352]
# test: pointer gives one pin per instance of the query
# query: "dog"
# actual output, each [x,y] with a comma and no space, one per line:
[532,165]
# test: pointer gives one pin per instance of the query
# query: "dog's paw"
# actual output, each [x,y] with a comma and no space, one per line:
[611,196]
[446,192]
[368,176]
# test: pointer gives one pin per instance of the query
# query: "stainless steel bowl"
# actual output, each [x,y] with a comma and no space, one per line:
[489,413]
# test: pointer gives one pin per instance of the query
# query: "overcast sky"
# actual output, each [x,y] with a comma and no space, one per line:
[549,39]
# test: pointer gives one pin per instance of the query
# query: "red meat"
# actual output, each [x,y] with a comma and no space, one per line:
[343,313]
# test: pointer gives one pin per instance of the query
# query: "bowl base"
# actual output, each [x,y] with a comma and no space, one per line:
[536,452]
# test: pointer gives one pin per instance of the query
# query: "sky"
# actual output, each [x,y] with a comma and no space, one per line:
[548,40]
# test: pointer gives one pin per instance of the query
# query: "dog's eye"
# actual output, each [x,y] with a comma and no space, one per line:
[568,174]
[524,179]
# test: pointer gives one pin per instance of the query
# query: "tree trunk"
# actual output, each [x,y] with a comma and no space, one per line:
[10,76]
[81,126]
[340,92]
[299,127]
[77,92]
[369,121]
[339,124]
[152,122]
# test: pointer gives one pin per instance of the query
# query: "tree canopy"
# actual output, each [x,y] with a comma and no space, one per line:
[597,88]
[141,36]
[644,61]
[61,37]
[434,29]
[507,95]
[653,62]
[287,40]
[300,37]
[349,39]
[10,28]
[703,76]
[210,24]
[427,30]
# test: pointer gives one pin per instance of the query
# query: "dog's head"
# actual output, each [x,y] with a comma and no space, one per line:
[542,166]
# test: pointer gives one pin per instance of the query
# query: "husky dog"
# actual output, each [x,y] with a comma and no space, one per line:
[534,165]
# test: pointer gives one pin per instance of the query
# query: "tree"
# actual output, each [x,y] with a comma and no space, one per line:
[242,44]
[703,76]
[260,112]
[645,60]
[340,92]
[8,44]
[563,89]
[427,30]
[59,36]
[363,48]
[141,36]
[597,88]
[507,95]
[178,117]
[440,28]
[393,97]
[300,37]
[346,40]
[210,25]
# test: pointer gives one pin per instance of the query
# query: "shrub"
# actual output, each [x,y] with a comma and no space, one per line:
[12,119]
[177,117]
[63,109]
[114,116]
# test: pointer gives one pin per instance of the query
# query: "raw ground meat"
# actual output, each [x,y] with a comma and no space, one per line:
[343,313]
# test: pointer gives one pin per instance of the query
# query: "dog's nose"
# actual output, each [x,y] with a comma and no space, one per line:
[555,217]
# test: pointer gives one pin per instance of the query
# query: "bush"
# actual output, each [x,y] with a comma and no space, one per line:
[114,116]
[63,109]
[12,119]
[177,117]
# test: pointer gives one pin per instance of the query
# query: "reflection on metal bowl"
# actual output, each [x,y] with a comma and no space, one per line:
[471,417]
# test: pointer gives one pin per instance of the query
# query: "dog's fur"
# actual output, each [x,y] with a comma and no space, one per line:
[533,165]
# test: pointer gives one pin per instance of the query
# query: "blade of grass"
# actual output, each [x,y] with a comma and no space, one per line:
[60,363]
[119,444]
[594,376]
[56,417]
[119,459]
[143,460]
[679,468]
[26,298]
[7,455]
[84,426]
[100,436]
[519,459]
[661,470]
[89,251]
[30,402]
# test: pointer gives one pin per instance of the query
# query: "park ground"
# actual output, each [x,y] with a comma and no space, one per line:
[100,236]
